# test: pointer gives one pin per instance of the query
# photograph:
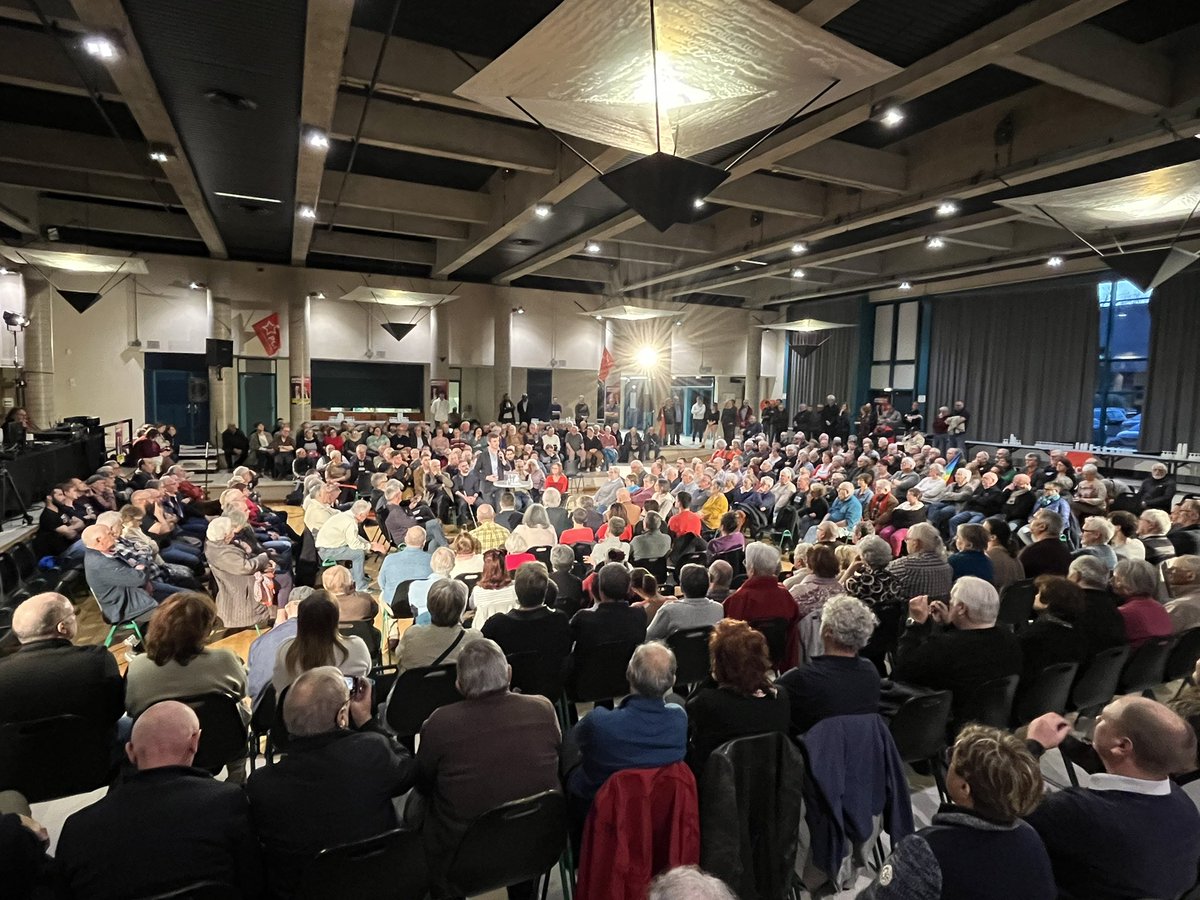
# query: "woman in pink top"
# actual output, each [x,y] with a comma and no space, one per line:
[1135,581]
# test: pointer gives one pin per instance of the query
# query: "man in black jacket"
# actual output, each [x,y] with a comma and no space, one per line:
[48,676]
[178,823]
[337,782]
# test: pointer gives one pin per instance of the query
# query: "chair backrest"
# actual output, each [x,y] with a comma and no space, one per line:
[1016,604]
[735,558]
[534,672]
[775,631]
[1099,681]
[920,724]
[393,861]
[656,567]
[515,842]
[417,693]
[1050,691]
[1184,654]
[382,680]
[690,646]
[599,672]
[401,609]
[1146,667]
[44,759]
[200,890]
[989,704]
[366,631]
[223,734]
[470,579]
[542,555]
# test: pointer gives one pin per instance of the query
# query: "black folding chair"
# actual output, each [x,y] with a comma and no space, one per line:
[775,631]
[919,729]
[470,579]
[690,646]
[370,636]
[534,672]
[990,703]
[416,694]
[261,720]
[382,680]
[1050,691]
[513,843]
[223,734]
[582,551]
[392,863]
[599,672]
[1182,661]
[1146,667]
[1016,604]
[401,608]
[58,756]
[656,567]
[542,555]
[1099,681]
[736,559]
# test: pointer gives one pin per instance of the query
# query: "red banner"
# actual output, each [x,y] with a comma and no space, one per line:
[268,332]
[606,366]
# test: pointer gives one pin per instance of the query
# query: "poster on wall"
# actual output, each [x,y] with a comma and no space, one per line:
[301,389]
[268,332]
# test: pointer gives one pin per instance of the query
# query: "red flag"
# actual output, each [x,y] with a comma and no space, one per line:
[268,332]
[606,366]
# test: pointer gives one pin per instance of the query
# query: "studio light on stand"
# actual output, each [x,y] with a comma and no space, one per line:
[10,495]
[16,323]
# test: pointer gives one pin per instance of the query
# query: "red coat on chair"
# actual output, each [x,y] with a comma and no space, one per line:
[642,822]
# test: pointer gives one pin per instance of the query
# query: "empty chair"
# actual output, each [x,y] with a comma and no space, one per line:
[261,721]
[401,609]
[391,864]
[991,703]
[776,633]
[1016,604]
[58,756]
[599,672]
[1099,681]
[223,733]
[690,646]
[1146,667]
[513,843]
[416,694]
[382,679]
[919,730]
[1050,691]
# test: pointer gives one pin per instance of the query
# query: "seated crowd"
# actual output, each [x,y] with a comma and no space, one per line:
[895,591]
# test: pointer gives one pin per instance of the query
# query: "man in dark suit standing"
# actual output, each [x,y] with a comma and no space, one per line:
[490,467]
[48,676]
[178,822]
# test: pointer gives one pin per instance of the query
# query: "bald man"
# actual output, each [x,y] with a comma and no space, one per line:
[49,676]
[178,822]
[123,591]
[1131,832]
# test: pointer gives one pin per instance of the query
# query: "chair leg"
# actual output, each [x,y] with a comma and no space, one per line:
[136,630]
[939,779]
[1071,776]
[108,640]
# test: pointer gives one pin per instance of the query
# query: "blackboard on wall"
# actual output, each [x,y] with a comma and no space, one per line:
[367,384]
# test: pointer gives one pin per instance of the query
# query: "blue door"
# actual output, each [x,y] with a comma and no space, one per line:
[180,398]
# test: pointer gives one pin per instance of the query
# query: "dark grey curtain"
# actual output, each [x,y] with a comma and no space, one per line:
[833,367]
[1023,358]
[1171,413]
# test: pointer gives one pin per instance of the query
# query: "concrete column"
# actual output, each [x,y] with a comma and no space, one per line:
[502,358]
[439,343]
[754,340]
[38,353]
[222,382]
[299,360]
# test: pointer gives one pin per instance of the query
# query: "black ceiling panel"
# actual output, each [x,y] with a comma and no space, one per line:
[248,48]
[374,266]
[135,243]
[481,27]
[566,285]
[50,109]
[1147,20]
[402,166]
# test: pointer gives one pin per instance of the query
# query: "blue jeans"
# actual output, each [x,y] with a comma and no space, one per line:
[284,550]
[435,535]
[357,559]
[939,514]
[175,553]
[964,518]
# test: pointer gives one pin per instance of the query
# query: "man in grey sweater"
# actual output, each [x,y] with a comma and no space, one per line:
[693,611]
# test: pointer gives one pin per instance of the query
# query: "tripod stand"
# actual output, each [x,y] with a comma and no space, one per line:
[8,493]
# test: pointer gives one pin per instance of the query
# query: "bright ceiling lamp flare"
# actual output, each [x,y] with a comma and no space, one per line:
[891,116]
[196,285]
[799,247]
[676,76]
[161,154]
[947,208]
[646,357]
[5,270]
[307,212]
[935,243]
[1055,262]
[251,197]
[905,286]
[317,139]
[699,203]
[100,47]
[542,210]
[797,273]
[592,247]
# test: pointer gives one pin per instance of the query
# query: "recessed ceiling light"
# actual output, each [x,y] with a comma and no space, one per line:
[679,321]
[698,203]
[797,273]
[935,243]
[1054,262]
[905,286]
[196,285]
[799,247]
[947,208]
[4,270]
[100,47]
[543,210]
[307,212]
[592,247]
[316,295]
[597,318]
[317,139]
[233,196]
[891,116]
[519,310]
[161,154]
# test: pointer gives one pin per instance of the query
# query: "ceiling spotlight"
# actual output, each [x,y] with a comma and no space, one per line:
[316,295]
[592,247]
[799,247]
[597,318]
[646,358]
[15,321]
[935,243]
[196,285]
[317,139]
[1054,262]
[891,116]
[307,212]
[100,47]
[519,310]
[678,322]
[947,208]
[698,203]
[905,286]
[4,270]
[542,210]
[161,154]
[797,273]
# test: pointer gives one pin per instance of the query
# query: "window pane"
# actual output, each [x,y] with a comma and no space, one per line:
[906,331]
[904,377]
[1122,363]
[881,377]
[883,332]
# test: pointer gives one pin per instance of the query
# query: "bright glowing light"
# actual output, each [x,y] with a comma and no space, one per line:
[592,247]
[935,243]
[905,286]
[799,247]
[196,285]
[543,210]
[160,156]
[646,358]
[698,203]
[100,47]
[892,116]
[307,212]
[1054,262]
[4,270]
[797,273]
[317,139]
[947,209]
[672,92]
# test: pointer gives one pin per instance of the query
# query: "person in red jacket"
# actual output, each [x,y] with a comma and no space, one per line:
[1135,582]
[763,597]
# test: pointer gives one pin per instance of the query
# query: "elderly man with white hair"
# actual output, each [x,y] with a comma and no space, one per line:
[1095,534]
[761,596]
[1152,528]
[1183,580]
[339,539]
[966,651]
[924,570]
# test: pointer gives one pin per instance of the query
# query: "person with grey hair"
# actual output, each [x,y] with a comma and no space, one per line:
[1095,534]
[239,575]
[694,610]
[688,883]
[720,581]
[653,542]
[924,571]
[966,652]
[337,782]
[761,596]
[1048,554]
[1135,582]
[533,627]
[1158,489]
[535,527]
[871,582]
[1182,575]
[556,513]
[490,748]
[1152,528]
[644,732]
[568,587]
[1100,623]
[339,539]
[838,682]
[439,642]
